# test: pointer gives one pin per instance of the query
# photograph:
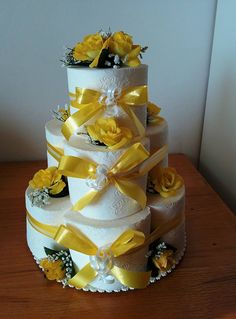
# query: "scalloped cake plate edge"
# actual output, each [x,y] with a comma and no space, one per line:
[124,288]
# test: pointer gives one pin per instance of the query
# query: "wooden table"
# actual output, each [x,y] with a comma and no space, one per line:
[202,286]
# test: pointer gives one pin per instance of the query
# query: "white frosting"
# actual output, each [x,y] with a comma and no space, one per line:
[55,138]
[52,214]
[51,160]
[109,79]
[158,134]
[104,233]
[164,208]
[111,204]
[53,133]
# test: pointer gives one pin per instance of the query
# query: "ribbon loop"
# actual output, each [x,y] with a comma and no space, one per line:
[75,240]
[128,240]
[77,167]
[55,152]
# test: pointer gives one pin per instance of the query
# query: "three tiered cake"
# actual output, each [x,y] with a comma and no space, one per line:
[108,213]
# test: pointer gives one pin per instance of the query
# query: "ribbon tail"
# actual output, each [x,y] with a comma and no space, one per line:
[159,231]
[45,229]
[131,190]
[55,152]
[77,119]
[134,118]
[86,200]
[131,279]
[153,160]
[83,277]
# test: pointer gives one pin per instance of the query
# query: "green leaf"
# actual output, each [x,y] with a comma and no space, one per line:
[49,251]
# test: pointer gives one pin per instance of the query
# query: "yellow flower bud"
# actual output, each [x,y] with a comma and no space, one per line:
[49,178]
[165,261]
[153,113]
[166,181]
[108,132]
[152,109]
[53,269]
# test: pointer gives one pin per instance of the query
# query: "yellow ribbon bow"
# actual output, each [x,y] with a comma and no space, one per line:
[90,102]
[119,174]
[130,239]
[128,243]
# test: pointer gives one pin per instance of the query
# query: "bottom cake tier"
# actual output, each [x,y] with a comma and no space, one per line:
[158,258]
[162,210]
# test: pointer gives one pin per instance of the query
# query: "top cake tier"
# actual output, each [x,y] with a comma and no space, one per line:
[110,85]
[106,79]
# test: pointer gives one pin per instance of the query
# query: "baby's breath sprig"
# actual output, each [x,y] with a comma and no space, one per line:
[60,113]
[40,197]
[67,263]
[143,50]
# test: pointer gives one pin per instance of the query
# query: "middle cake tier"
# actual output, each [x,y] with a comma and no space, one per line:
[90,196]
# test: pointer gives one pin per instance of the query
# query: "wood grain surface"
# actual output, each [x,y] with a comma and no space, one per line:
[202,286]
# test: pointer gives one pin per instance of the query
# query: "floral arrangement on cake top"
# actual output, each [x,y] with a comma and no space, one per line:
[105,50]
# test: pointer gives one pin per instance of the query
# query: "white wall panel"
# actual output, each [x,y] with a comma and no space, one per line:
[33,33]
[218,152]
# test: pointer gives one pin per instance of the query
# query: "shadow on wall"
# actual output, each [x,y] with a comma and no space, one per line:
[218,153]
[228,195]
[18,143]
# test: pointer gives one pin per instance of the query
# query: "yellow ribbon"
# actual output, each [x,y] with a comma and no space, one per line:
[154,118]
[130,239]
[55,152]
[45,229]
[90,102]
[119,174]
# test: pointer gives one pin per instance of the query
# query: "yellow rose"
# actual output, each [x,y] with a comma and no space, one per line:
[89,49]
[165,261]
[53,269]
[121,44]
[166,181]
[108,132]
[48,178]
